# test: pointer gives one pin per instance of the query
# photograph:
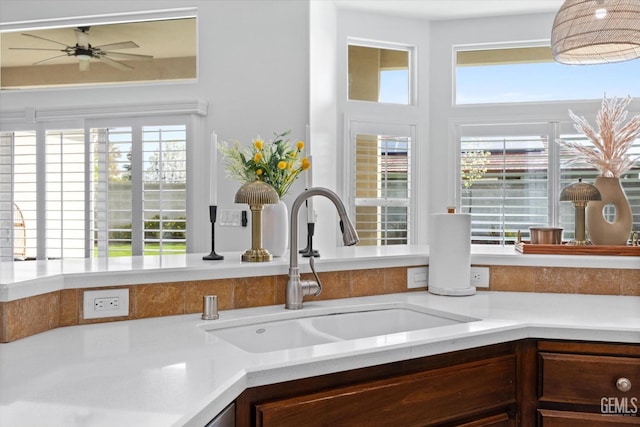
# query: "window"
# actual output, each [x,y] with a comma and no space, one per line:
[511,176]
[382,182]
[523,74]
[379,75]
[504,180]
[103,191]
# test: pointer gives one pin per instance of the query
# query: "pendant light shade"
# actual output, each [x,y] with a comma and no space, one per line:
[596,31]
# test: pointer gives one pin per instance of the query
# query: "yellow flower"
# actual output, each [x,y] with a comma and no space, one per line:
[300,145]
[282,164]
[259,172]
[258,143]
[306,164]
[257,157]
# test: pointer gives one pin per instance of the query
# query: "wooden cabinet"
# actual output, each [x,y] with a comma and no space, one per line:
[527,383]
[472,388]
[588,384]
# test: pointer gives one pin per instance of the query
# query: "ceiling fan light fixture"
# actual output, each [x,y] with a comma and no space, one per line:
[596,32]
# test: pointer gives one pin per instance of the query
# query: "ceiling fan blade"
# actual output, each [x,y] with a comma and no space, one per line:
[35,48]
[49,59]
[116,64]
[42,38]
[130,56]
[120,45]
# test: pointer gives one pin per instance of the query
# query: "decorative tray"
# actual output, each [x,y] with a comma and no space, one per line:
[564,249]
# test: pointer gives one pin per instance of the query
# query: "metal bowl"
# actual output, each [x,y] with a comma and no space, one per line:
[546,235]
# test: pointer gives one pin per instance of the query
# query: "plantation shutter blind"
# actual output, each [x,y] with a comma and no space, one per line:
[6,197]
[164,195]
[65,193]
[504,179]
[382,182]
[18,195]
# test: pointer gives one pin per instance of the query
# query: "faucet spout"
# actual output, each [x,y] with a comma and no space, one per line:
[297,289]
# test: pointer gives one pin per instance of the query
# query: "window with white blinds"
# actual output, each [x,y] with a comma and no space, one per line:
[511,176]
[164,180]
[64,178]
[18,196]
[382,183]
[504,180]
[109,191]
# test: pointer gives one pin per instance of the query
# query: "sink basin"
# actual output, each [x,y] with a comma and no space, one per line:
[273,336]
[349,326]
[313,330]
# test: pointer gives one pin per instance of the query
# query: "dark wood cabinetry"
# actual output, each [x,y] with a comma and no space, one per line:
[526,383]
[588,384]
[469,388]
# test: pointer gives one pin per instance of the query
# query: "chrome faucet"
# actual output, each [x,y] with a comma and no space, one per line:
[297,289]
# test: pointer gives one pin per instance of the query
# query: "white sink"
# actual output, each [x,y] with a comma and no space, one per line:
[349,326]
[263,337]
[273,336]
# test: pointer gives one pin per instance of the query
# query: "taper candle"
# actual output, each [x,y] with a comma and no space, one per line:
[213,168]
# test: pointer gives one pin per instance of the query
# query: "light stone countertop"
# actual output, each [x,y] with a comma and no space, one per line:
[170,371]
[22,279]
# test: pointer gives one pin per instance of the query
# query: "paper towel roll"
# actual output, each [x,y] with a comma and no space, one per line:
[450,254]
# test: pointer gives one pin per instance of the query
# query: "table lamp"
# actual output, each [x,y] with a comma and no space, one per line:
[580,193]
[256,194]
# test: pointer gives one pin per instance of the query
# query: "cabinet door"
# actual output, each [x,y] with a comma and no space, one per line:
[572,419]
[418,399]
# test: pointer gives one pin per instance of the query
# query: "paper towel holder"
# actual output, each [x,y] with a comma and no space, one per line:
[441,282]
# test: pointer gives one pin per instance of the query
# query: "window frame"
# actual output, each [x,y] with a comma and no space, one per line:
[189,113]
[412,68]
[360,126]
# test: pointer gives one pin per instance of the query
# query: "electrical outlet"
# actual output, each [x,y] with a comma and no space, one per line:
[417,277]
[480,277]
[105,303]
[112,303]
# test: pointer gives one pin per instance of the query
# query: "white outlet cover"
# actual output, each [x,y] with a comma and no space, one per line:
[417,277]
[88,303]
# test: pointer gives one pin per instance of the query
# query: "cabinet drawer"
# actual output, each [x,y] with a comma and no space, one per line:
[408,400]
[586,379]
[573,419]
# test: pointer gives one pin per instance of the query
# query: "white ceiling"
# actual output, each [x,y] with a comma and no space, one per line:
[452,9]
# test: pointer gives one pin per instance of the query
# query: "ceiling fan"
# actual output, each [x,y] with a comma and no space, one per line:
[84,51]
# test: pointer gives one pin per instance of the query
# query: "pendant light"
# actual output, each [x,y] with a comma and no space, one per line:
[596,31]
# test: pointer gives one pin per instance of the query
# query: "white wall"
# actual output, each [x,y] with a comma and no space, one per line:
[253,73]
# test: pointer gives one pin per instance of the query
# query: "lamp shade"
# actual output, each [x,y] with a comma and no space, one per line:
[580,192]
[256,193]
[596,31]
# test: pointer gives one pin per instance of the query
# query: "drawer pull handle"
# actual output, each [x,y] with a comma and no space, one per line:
[623,384]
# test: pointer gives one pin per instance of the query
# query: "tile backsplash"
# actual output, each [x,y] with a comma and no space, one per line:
[29,316]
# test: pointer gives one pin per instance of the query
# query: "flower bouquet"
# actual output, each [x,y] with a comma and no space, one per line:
[275,162]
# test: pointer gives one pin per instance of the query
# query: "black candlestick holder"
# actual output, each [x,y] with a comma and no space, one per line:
[213,256]
[309,251]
